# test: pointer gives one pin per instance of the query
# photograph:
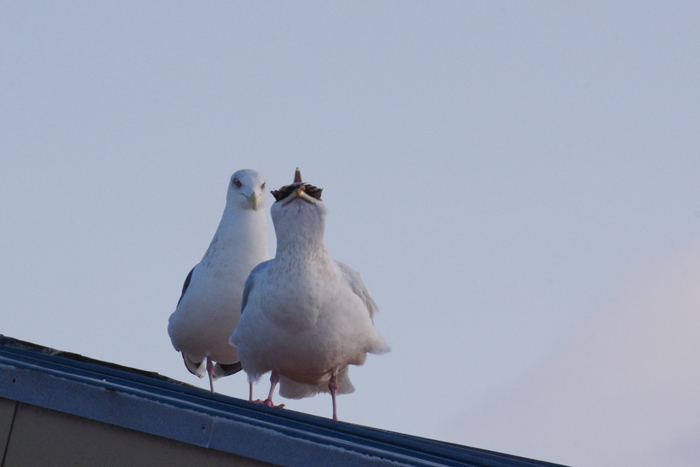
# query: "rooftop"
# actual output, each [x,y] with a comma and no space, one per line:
[32,376]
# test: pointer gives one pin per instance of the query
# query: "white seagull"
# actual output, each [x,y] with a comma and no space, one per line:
[210,304]
[304,316]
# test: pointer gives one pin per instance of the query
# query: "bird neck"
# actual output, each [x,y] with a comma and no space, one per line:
[239,227]
[300,247]
[300,239]
[299,228]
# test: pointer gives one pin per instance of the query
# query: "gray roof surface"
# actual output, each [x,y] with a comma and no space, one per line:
[151,403]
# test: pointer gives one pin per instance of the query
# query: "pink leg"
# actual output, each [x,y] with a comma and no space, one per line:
[250,392]
[333,386]
[210,370]
[274,379]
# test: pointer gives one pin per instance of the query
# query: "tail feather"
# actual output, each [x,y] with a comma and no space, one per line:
[294,390]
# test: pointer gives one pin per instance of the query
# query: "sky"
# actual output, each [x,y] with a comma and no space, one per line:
[515,181]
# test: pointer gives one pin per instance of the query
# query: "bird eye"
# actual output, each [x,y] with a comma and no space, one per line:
[237,182]
[262,187]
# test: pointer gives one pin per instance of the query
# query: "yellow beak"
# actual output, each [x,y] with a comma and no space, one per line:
[253,200]
[299,193]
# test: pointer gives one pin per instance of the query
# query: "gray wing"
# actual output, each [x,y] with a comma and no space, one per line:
[355,281]
[250,282]
[186,284]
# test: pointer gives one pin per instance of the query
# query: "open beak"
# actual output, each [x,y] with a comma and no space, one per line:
[253,200]
[299,193]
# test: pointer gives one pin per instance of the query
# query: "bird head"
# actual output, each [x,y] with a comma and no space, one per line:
[299,212]
[297,190]
[246,190]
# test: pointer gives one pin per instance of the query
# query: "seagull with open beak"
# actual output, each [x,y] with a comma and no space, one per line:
[305,317]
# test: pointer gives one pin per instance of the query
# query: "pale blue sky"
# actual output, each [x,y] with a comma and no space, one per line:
[497,171]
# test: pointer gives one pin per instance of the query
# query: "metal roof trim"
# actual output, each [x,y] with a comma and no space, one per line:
[154,404]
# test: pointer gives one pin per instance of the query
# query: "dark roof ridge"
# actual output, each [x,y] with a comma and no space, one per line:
[373,442]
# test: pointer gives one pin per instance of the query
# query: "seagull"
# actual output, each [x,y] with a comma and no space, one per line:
[305,317]
[209,307]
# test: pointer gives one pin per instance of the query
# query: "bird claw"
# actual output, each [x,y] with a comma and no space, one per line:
[268,403]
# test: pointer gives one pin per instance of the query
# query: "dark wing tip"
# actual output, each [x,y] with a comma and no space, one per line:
[221,370]
[192,366]
[186,284]
[313,191]
[287,190]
